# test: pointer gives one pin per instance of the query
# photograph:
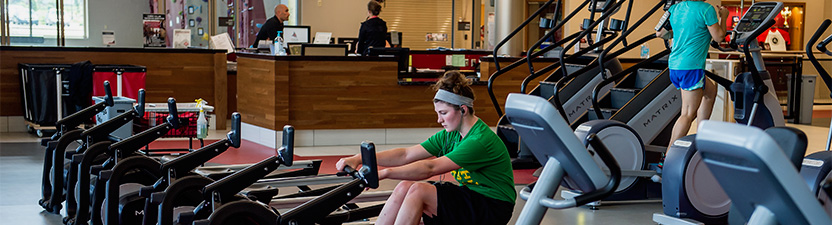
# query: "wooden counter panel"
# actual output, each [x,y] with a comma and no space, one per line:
[260,99]
[185,76]
[343,95]
[362,95]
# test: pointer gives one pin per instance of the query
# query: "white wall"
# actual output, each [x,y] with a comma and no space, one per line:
[341,17]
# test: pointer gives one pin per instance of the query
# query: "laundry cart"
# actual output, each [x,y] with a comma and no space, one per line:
[43,89]
[125,80]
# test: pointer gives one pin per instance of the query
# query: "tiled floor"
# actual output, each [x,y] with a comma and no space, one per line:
[21,162]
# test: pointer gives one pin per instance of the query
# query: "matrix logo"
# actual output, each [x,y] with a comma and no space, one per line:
[580,106]
[673,99]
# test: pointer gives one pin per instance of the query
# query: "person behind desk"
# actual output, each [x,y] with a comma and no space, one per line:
[373,31]
[269,30]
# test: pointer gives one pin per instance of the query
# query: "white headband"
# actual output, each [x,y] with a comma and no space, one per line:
[454,99]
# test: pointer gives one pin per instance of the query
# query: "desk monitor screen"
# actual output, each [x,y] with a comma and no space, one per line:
[403,55]
[350,42]
[323,50]
[395,39]
[296,34]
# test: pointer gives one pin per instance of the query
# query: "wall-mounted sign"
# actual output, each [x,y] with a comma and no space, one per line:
[464,26]
[436,37]
[226,21]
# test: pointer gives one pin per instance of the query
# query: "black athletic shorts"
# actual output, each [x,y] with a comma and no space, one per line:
[460,205]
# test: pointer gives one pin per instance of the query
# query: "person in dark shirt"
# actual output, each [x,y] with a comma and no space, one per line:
[273,25]
[373,32]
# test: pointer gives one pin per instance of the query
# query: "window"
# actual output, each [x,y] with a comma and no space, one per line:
[32,20]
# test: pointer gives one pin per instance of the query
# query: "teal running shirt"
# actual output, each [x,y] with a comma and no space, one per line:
[691,38]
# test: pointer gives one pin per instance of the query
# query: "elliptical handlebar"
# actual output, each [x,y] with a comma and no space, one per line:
[762,88]
[821,47]
[716,45]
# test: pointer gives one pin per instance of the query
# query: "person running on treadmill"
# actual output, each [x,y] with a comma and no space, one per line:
[468,148]
[694,24]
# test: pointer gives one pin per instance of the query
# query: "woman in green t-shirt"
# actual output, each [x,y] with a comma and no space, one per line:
[468,148]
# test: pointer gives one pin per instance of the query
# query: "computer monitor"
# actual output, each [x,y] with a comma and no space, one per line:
[323,50]
[350,42]
[402,53]
[395,39]
[297,34]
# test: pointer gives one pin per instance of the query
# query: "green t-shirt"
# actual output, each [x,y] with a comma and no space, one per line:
[691,38]
[486,165]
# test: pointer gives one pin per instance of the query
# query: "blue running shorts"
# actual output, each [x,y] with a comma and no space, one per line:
[688,80]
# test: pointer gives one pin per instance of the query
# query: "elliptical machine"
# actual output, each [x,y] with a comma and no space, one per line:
[689,190]
[818,166]
[756,175]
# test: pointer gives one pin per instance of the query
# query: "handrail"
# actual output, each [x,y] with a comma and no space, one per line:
[549,34]
[518,29]
[607,13]
[623,37]
[623,73]
[500,71]
[613,78]
[627,20]
[555,65]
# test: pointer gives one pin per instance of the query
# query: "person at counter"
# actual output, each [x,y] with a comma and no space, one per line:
[269,30]
[468,148]
[373,31]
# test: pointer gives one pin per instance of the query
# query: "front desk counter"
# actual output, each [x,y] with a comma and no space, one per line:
[185,74]
[352,92]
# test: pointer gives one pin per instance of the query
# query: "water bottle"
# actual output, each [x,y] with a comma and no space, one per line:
[278,44]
